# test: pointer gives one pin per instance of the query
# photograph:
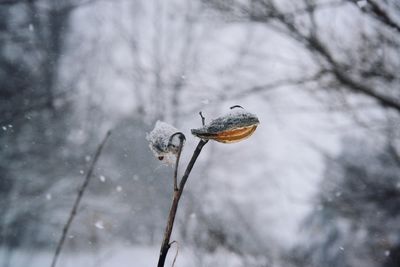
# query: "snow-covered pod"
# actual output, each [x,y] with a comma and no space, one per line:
[164,141]
[235,126]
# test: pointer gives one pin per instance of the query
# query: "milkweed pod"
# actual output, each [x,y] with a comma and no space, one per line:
[233,127]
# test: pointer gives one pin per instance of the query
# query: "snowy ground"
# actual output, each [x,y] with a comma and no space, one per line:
[119,256]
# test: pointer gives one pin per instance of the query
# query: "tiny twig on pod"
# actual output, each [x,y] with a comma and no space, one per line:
[203,120]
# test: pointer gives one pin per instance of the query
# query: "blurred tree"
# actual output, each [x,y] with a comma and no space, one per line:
[356,218]
[34,121]
[352,54]
[162,57]
[366,64]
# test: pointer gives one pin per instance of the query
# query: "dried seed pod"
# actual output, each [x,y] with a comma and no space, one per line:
[233,127]
[164,141]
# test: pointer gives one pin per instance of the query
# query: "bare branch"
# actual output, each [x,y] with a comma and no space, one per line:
[78,200]
[377,12]
[267,12]
[278,84]
[359,87]
[314,44]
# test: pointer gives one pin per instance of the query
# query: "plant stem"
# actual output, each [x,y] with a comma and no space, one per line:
[77,200]
[178,156]
[175,201]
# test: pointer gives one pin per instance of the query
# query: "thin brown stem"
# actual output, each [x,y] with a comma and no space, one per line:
[182,139]
[78,199]
[177,195]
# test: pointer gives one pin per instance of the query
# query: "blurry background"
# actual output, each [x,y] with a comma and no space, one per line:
[318,184]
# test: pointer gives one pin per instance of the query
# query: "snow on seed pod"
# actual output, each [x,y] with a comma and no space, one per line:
[233,127]
[164,141]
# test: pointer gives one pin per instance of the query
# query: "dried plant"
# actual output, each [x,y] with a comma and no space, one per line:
[167,144]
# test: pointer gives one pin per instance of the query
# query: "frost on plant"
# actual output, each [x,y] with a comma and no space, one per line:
[232,127]
[162,141]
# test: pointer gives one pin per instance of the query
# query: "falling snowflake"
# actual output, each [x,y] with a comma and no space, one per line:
[99,225]
[205,101]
